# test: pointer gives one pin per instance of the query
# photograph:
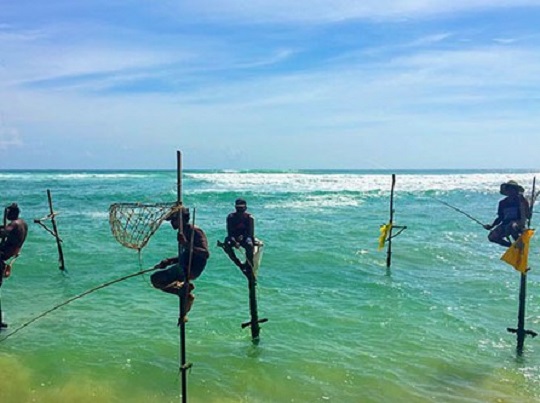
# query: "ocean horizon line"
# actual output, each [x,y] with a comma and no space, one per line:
[280,170]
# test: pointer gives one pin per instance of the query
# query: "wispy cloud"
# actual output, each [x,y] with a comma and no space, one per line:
[324,11]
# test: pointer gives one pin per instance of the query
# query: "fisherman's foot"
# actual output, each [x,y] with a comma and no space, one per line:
[177,287]
[3,325]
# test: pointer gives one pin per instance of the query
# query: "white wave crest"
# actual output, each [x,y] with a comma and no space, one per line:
[355,182]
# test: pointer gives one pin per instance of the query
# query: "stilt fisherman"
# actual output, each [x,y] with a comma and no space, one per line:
[512,215]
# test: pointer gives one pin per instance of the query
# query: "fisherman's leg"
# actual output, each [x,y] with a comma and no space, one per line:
[228,248]
[2,268]
[247,267]
[248,246]
[190,299]
[497,235]
[515,230]
[168,280]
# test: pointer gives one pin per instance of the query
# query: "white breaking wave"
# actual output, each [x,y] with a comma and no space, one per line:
[356,182]
[318,202]
[75,176]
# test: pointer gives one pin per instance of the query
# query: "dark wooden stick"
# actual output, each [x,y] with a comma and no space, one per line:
[520,331]
[184,291]
[253,310]
[389,247]
[61,264]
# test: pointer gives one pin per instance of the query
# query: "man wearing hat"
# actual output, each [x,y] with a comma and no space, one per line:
[240,233]
[512,215]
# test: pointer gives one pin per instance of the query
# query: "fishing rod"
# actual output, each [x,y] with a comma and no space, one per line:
[76,297]
[458,210]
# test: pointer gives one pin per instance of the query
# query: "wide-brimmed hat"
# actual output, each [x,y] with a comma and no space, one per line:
[514,184]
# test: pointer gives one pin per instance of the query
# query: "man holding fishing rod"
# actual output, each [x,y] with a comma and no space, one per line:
[12,238]
[512,215]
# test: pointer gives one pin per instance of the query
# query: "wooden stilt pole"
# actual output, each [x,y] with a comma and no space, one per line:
[53,232]
[184,291]
[255,328]
[61,264]
[392,226]
[520,331]
[391,222]
[255,321]
[252,288]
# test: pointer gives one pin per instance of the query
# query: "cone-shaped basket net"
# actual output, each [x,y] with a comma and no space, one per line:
[133,224]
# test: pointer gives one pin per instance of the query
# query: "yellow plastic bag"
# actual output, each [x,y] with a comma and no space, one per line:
[385,230]
[517,255]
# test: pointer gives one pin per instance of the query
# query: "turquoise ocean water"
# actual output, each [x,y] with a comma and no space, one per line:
[341,327]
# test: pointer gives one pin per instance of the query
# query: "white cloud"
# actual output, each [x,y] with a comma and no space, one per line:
[325,11]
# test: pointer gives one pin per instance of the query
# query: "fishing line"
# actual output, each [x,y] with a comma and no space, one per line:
[456,209]
[99,287]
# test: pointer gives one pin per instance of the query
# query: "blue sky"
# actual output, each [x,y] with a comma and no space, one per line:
[274,84]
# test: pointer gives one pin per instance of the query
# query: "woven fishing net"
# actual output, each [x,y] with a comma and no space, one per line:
[133,224]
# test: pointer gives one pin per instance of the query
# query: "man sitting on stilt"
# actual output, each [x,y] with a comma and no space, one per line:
[240,233]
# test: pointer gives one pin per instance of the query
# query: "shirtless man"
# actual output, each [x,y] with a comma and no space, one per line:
[12,237]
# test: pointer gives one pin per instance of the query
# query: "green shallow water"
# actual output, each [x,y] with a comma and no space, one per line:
[341,327]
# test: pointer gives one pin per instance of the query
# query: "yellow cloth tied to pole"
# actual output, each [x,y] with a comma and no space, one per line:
[385,230]
[517,255]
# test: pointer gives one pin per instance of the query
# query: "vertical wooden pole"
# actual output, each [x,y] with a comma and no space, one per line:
[185,288]
[521,315]
[255,328]
[61,264]
[254,322]
[389,248]
[520,331]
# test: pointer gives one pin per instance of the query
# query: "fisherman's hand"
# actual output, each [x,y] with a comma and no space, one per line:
[517,227]
[182,238]
[488,226]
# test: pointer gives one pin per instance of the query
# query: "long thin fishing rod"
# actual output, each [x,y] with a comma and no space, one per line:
[458,210]
[76,297]
[185,288]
